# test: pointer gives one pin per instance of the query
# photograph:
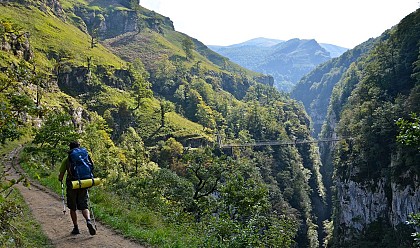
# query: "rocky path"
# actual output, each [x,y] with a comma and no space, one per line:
[47,208]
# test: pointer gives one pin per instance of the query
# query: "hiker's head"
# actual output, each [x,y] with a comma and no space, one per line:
[74,144]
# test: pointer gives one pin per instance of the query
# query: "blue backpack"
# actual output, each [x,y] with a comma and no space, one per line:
[80,164]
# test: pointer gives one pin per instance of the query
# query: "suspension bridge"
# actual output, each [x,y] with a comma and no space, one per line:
[278,142]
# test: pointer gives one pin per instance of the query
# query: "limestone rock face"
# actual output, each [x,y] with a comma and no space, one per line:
[113,22]
[362,204]
[118,22]
[109,24]
[405,200]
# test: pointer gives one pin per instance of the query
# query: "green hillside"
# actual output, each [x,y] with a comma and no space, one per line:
[148,103]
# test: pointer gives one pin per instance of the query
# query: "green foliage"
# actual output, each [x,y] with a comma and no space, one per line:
[169,153]
[409,131]
[55,135]
[415,220]
[105,155]
[8,122]
[370,112]
[14,104]
[141,87]
[188,46]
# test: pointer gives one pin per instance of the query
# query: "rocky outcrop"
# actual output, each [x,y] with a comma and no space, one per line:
[362,204]
[117,21]
[108,24]
[18,44]
[54,5]
[44,5]
[265,79]
[405,200]
[74,81]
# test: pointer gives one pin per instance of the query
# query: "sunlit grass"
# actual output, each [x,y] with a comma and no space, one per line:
[50,35]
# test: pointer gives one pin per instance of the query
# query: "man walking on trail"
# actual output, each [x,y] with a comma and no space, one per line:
[76,198]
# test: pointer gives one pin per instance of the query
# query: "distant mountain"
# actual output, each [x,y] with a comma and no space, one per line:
[259,42]
[335,51]
[315,88]
[287,61]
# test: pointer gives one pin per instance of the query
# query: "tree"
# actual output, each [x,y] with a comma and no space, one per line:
[13,103]
[8,122]
[133,148]
[94,38]
[170,152]
[140,87]
[123,118]
[188,46]
[206,172]
[165,107]
[205,115]
[96,138]
[55,135]
[409,131]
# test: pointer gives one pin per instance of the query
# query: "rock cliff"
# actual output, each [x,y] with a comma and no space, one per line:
[360,205]
[18,44]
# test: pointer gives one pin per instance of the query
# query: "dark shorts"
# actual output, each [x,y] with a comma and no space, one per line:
[77,199]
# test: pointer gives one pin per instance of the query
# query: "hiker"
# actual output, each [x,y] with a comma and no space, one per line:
[77,198]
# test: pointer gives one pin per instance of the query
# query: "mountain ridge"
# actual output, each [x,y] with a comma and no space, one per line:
[287,61]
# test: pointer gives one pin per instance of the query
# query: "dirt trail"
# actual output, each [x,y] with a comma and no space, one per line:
[47,208]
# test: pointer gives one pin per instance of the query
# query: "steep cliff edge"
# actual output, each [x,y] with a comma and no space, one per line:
[372,181]
[388,204]
[376,179]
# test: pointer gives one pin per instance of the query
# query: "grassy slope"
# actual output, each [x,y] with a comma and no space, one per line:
[50,35]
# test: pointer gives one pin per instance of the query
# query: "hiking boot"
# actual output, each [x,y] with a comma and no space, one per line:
[91,228]
[75,231]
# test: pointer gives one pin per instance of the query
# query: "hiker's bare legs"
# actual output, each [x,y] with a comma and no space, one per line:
[86,214]
[73,216]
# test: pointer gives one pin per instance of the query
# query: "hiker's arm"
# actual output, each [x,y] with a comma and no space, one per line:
[60,177]
[63,168]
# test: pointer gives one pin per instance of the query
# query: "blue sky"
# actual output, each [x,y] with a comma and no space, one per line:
[226,22]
